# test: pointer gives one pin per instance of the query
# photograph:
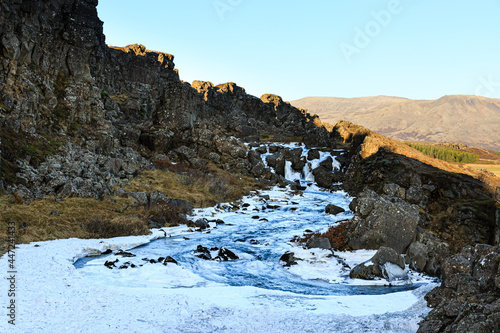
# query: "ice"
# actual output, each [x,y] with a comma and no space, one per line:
[62,290]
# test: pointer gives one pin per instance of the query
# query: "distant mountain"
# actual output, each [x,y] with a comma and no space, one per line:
[472,120]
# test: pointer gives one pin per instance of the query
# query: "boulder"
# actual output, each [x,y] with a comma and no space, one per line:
[327,164]
[322,177]
[288,259]
[226,255]
[383,221]
[468,299]
[386,263]
[313,154]
[319,243]
[417,256]
[202,224]
[333,209]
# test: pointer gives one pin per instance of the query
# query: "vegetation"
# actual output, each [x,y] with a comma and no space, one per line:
[203,187]
[50,219]
[444,153]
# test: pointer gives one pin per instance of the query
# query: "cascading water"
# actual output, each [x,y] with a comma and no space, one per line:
[259,231]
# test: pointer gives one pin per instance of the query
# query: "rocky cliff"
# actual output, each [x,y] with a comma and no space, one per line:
[66,93]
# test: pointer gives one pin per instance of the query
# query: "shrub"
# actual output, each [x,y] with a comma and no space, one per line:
[335,234]
[130,225]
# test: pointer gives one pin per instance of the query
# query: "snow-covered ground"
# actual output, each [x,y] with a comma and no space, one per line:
[61,289]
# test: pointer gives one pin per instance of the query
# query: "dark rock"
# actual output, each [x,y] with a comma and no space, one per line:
[467,300]
[383,221]
[108,251]
[157,198]
[333,209]
[110,264]
[203,253]
[322,177]
[226,255]
[313,154]
[319,242]
[386,263]
[171,260]
[418,255]
[288,259]
[327,164]
[202,224]
[124,254]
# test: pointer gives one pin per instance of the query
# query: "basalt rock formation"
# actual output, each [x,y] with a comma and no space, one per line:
[62,85]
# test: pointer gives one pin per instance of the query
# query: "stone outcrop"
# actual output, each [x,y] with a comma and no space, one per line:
[63,84]
[468,299]
[382,220]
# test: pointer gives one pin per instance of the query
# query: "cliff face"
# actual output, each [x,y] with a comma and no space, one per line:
[61,83]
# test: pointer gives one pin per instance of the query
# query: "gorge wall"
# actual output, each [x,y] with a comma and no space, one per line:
[61,83]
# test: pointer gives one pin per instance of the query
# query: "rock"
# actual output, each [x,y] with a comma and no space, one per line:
[124,254]
[322,177]
[203,253]
[318,242]
[417,256]
[261,150]
[313,154]
[140,197]
[387,254]
[171,260]
[333,209]
[226,255]
[414,194]
[288,259]
[110,264]
[386,263]
[327,164]
[383,221]
[202,224]
[157,198]
[23,195]
[467,300]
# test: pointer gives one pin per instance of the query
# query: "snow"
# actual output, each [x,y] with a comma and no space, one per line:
[60,289]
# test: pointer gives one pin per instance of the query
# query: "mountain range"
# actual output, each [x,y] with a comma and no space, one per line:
[472,120]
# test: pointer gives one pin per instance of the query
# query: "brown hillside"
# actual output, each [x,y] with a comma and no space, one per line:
[370,143]
[472,120]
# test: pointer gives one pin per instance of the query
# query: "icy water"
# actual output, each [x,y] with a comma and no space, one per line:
[258,230]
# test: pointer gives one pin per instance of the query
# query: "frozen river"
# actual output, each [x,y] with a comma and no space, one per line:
[253,293]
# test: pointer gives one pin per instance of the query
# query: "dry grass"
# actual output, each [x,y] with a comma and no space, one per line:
[335,234]
[89,218]
[203,188]
[74,217]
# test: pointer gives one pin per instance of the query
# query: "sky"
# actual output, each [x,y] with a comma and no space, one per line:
[419,49]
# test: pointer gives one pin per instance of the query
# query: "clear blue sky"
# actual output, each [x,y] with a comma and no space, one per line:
[421,49]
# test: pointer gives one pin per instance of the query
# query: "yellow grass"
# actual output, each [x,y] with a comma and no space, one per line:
[39,220]
[494,168]
[202,189]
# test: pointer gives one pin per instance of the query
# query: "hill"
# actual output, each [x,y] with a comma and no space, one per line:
[472,120]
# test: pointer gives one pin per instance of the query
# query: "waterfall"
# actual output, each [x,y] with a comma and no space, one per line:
[307,173]
[291,174]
